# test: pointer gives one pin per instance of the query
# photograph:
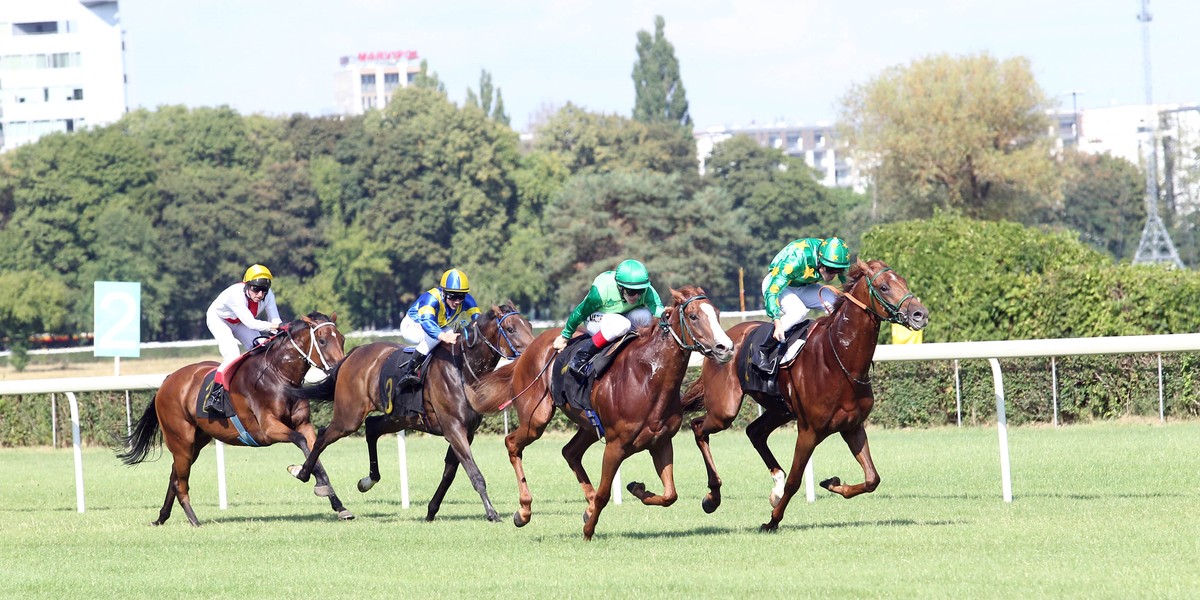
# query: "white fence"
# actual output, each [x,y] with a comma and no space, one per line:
[992,351]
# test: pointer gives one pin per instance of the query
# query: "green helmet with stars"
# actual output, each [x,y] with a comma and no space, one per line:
[833,253]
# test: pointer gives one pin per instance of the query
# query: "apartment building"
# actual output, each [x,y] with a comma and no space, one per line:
[366,80]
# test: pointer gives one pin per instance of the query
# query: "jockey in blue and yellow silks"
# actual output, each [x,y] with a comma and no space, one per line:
[433,318]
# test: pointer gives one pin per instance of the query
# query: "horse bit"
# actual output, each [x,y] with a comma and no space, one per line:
[312,343]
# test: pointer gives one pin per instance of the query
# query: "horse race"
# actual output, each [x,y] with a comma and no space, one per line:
[870,307]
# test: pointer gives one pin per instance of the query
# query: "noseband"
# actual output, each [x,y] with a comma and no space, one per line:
[685,329]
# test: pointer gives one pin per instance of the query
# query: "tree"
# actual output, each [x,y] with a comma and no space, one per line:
[1103,200]
[426,79]
[591,142]
[965,133]
[660,95]
[32,302]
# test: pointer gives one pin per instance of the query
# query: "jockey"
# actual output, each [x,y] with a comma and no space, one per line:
[233,318]
[432,319]
[794,282]
[618,301]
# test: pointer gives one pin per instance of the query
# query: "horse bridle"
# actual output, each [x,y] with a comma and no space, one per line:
[504,334]
[893,316]
[312,343]
[665,325]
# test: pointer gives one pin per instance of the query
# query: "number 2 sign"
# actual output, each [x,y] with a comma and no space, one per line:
[118,323]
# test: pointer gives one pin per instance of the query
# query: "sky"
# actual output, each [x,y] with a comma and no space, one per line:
[742,62]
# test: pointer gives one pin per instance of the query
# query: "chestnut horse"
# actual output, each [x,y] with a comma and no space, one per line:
[353,387]
[258,394]
[637,401]
[826,389]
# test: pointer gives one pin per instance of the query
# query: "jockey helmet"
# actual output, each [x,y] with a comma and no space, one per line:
[833,253]
[455,281]
[258,275]
[633,275]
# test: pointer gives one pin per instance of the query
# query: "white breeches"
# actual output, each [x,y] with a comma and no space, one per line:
[414,334]
[228,336]
[614,325]
[794,302]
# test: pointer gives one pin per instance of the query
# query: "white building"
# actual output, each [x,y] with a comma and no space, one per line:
[815,144]
[62,67]
[367,79]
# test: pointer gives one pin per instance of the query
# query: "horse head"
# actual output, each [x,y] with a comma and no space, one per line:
[315,337]
[877,288]
[503,330]
[695,324]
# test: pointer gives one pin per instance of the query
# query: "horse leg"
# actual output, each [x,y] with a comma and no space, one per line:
[181,471]
[460,444]
[377,426]
[856,440]
[323,488]
[448,473]
[528,430]
[614,455]
[573,451]
[164,513]
[344,422]
[758,431]
[718,418]
[663,454]
[806,440]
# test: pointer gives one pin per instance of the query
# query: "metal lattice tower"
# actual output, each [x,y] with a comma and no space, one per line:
[1155,245]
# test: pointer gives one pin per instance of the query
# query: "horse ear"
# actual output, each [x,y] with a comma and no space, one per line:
[308,320]
[676,295]
[333,317]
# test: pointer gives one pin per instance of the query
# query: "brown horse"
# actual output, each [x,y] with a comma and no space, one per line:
[257,392]
[353,387]
[637,401]
[826,389]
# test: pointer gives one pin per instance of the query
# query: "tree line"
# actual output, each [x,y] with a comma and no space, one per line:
[360,214]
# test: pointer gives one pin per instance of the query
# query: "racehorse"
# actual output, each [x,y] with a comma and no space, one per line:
[636,400]
[354,389]
[826,389]
[258,394]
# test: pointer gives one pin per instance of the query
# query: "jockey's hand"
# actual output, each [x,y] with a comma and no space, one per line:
[449,337]
[560,342]
[779,333]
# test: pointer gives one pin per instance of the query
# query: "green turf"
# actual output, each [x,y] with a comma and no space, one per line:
[1099,511]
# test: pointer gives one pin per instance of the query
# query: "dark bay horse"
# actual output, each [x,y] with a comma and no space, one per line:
[353,387]
[258,393]
[637,401]
[826,389]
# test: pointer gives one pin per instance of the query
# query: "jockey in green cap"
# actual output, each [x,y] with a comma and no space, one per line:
[617,302]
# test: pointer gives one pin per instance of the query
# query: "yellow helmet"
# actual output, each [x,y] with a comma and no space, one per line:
[454,280]
[258,275]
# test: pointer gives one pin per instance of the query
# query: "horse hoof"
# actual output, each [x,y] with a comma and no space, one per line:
[518,521]
[831,482]
[323,491]
[709,505]
[294,470]
[493,517]
[345,515]
[365,484]
[768,527]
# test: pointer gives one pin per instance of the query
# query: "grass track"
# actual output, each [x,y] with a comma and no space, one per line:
[1106,510]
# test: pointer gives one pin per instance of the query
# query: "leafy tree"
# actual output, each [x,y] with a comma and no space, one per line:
[592,142]
[32,302]
[1103,200]
[597,220]
[964,133]
[778,198]
[659,93]
[428,80]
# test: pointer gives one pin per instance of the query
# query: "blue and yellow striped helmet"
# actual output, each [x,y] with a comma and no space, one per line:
[455,281]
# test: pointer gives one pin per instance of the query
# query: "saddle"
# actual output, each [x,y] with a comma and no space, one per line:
[759,358]
[206,386]
[397,400]
[569,388]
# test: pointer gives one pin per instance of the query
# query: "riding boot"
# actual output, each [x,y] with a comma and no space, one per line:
[412,374]
[581,362]
[215,402]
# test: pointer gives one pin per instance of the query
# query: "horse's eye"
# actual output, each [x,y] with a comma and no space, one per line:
[884,288]
[693,316]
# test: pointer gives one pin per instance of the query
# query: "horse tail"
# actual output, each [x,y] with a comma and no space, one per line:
[693,397]
[145,437]
[319,392]
[493,391]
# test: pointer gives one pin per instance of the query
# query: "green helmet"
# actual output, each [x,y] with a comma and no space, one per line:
[833,253]
[633,275]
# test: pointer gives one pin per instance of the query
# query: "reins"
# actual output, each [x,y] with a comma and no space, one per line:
[665,325]
[893,316]
[479,335]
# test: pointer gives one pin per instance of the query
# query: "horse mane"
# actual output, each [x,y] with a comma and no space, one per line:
[857,271]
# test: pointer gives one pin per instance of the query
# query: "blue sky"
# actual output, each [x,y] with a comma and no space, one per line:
[742,61]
